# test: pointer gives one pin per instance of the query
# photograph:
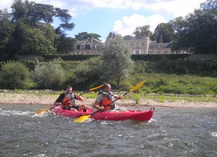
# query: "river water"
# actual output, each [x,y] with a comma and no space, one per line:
[171,132]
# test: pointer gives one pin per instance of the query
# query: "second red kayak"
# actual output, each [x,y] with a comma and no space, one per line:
[139,115]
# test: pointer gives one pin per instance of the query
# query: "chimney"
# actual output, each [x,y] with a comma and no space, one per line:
[161,39]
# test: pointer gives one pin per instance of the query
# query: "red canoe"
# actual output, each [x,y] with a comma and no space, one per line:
[139,115]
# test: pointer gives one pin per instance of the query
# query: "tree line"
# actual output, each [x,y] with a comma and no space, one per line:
[28,30]
[195,33]
[113,66]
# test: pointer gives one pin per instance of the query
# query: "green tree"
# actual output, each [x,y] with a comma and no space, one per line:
[117,61]
[142,31]
[34,13]
[28,30]
[27,41]
[199,33]
[180,40]
[15,75]
[65,45]
[91,37]
[6,30]
[164,31]
[210,5]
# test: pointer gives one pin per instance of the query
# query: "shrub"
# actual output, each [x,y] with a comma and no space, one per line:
[14,75]
[86,74]
[49,75]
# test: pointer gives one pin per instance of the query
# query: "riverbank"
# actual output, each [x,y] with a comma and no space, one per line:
[48,99]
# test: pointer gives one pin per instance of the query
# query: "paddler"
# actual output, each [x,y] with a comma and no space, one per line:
[67,100]
[104,100]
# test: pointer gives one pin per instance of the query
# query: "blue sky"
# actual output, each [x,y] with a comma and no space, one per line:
[118,16]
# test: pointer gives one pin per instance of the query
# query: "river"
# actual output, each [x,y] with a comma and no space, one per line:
[185,132]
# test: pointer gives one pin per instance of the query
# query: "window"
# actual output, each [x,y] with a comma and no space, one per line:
[87,47]
[78,47]
[137,45]
[138,52]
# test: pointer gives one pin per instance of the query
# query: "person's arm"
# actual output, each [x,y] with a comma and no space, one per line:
[78,97]
[96,104]
[118,97]
[98,107]
[57,103]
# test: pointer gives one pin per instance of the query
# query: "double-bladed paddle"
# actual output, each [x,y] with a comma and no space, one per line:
[84,118]
[46,109]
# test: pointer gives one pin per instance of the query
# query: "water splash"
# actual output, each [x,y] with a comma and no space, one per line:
[41,155]
[213,134]
[39,115]
[14,112]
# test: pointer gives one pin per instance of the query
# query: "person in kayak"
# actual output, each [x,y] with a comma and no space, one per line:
[104,99]
[67,100]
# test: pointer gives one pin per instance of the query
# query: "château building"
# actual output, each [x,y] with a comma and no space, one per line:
[141,45]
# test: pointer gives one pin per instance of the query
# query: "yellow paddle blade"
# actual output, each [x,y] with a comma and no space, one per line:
[41,111]
[95,88]
[82,119]
[137,86]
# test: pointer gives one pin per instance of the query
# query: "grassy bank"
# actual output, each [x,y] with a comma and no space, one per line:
[158,87]
[176,84]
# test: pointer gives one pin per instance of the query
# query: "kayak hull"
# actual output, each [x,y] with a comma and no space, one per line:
[138,115]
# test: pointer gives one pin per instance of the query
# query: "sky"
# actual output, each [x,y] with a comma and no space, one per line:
[118,16]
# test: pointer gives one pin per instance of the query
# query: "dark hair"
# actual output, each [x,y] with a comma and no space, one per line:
[106,85]
[68,87]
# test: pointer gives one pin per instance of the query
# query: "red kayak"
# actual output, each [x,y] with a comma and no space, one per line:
[139,115]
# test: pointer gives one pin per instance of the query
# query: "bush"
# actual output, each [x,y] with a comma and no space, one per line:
[14,75]
[49,75]
[86,74]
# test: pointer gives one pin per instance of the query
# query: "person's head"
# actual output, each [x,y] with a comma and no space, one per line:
[107,87]
[69,89]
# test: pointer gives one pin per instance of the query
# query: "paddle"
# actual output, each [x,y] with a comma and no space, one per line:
[84,118]
[46,109]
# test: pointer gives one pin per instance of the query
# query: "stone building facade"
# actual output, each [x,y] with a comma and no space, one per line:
[139,46]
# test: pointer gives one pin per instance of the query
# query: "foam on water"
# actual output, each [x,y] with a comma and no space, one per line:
[14,112]
[213,134]
[40,115]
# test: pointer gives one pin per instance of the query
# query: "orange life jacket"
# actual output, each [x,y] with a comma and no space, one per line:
[66,102]
[106,103]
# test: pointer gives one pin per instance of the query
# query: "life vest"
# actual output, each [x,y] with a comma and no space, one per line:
[68,100]
[106,102]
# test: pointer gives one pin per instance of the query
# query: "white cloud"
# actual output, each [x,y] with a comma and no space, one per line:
[5,4]
[128,24]
[173,7]
[160,10]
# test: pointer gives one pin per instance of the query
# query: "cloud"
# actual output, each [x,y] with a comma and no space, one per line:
[5,4]
[128,24]
[173,7]
[160,10]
